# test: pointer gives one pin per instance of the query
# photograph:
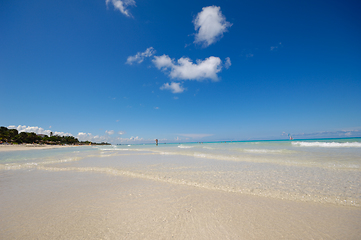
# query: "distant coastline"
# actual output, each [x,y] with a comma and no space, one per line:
[13,137]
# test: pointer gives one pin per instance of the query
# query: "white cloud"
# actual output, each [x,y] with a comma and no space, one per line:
[62,134]
[185,69]
[121,132]
[121,5]
[110,132]
[90,137]
[37,130]
[139,57]
[228,63]
[163,62]
[210,24]
[173,86]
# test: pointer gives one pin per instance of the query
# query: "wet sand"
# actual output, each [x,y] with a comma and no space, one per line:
[40,204]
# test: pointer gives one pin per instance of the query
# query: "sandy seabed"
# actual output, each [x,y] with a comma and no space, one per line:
[37,204]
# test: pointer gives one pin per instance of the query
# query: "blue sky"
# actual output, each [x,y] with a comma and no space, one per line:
[134,70]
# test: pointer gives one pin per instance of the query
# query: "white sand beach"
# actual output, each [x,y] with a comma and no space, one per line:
[97,206]
[22,147]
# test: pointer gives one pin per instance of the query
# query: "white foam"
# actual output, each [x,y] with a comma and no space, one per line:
[182,146]
[116,149]
[262,151]
[200,155]
[327,144]
[209,148]
[167,153]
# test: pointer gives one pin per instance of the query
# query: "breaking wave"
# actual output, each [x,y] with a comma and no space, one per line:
[263,151]
[327,144]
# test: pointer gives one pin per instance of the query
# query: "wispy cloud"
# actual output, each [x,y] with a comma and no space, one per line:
[173,87]
[109,132]
[274,48]
[94,138]
[340,133]
[210,24]
[109,138]
[37,130]
[135,138]
[139,57]
[228,63]
[185,69]
[248,53]
[196,135]
[121,5]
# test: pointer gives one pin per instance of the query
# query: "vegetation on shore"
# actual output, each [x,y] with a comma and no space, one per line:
[12,136]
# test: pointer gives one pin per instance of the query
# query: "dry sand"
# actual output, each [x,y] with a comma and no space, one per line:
[22,147]
[71,205]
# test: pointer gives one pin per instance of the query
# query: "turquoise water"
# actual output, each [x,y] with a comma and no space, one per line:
[43,155]
[327,171]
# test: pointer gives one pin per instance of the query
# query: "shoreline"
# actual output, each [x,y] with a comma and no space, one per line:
[23,147]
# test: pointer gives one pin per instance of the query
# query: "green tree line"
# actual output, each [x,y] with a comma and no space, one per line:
[14,137]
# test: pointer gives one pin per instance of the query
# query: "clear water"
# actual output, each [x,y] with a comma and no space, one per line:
[325,171]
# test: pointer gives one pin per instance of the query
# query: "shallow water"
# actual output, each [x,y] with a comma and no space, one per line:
[243,190]
[323,171]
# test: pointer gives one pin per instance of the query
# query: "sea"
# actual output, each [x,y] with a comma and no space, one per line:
[326,171]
